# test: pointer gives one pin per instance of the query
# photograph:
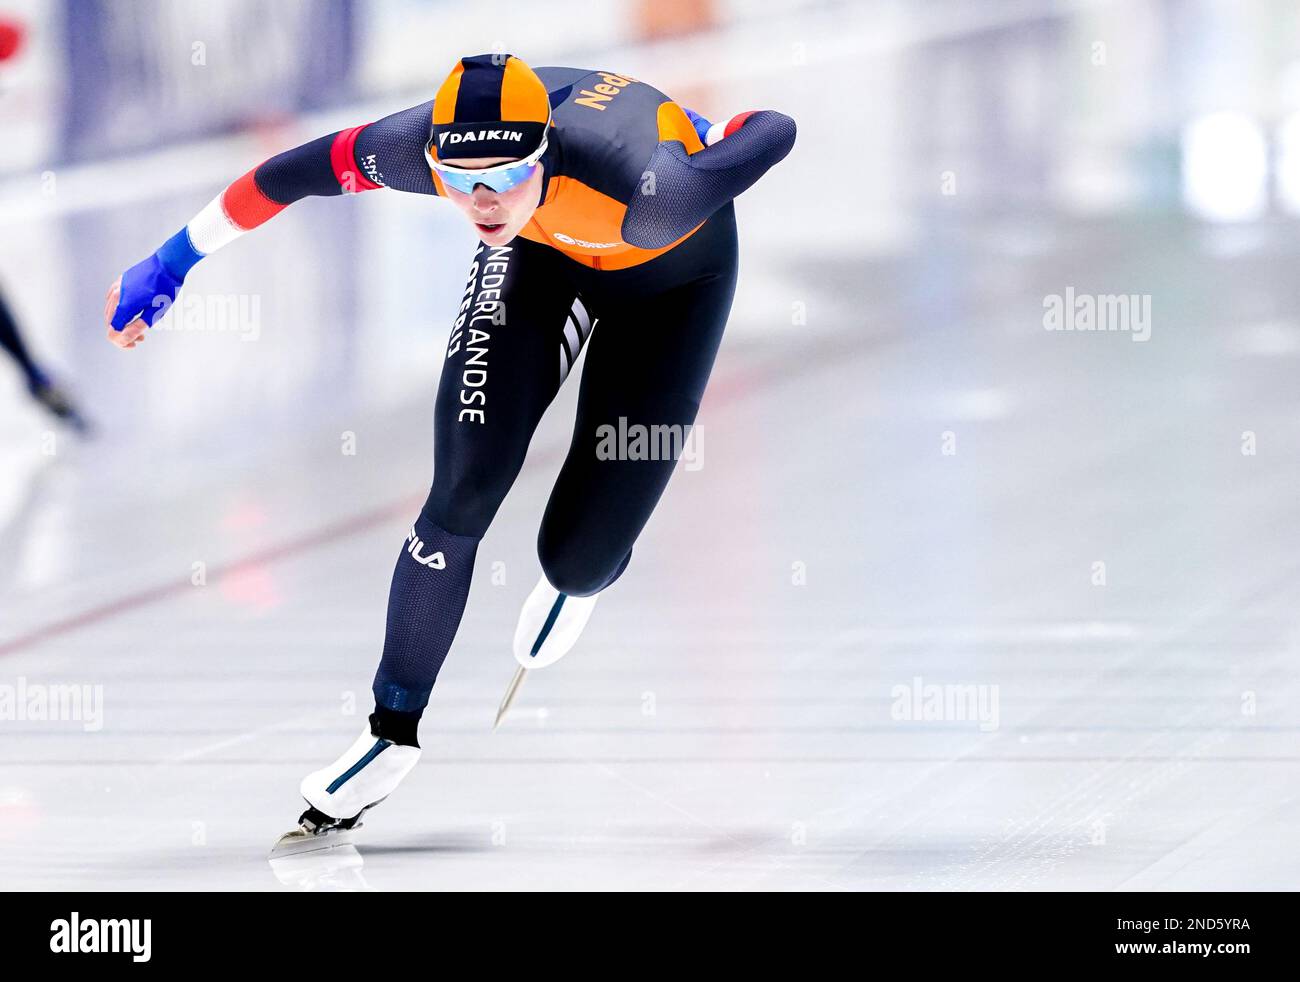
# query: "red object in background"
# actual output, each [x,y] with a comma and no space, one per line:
[11,38]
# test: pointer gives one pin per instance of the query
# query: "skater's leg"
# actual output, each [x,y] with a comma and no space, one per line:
[43,389]
[646,372]
[12,342]
[499,376]
[659,331]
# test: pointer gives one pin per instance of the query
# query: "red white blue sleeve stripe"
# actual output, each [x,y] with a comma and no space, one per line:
[247,203]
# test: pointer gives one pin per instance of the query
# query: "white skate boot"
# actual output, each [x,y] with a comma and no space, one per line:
[549,627]
[338,794]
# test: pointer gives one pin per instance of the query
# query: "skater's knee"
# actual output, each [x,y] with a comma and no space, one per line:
[573,580]
[576,569]
[467,503]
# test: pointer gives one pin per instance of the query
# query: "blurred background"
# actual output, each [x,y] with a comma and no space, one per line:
[910,477]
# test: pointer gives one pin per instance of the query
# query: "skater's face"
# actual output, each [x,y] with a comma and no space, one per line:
[497,216]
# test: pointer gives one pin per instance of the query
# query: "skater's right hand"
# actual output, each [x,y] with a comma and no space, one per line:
[137,300]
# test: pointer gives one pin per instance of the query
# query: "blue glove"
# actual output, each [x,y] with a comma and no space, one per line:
[700,123]
[148,289]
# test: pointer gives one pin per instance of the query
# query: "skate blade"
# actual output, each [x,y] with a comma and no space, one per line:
[512,690]
[300,842]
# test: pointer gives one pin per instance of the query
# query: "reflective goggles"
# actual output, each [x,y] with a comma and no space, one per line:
[501,177]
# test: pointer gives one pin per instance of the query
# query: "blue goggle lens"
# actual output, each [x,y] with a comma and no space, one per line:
[497,180]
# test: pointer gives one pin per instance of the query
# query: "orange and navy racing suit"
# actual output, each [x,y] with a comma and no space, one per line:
[635,233]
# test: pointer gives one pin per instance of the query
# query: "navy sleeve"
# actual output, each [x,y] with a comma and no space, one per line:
[688,188]
[298,173]
[390,151]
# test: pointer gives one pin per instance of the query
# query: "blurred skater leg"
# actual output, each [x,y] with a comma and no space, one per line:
[12,342]
[44,390]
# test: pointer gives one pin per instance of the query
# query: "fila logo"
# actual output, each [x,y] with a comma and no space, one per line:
[415,545]
[606,90]
[471,137]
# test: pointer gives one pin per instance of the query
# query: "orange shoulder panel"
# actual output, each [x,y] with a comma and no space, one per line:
[586,226]
[674,124]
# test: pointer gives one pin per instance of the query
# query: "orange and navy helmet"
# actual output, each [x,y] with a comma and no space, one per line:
[490,106]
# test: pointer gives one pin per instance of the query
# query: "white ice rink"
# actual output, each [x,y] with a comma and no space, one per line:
[734,717]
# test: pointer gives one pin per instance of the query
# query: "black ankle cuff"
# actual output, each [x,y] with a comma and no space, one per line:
[399,728]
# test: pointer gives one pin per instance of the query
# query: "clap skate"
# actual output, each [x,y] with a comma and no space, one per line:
[549,626]
[339,794]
